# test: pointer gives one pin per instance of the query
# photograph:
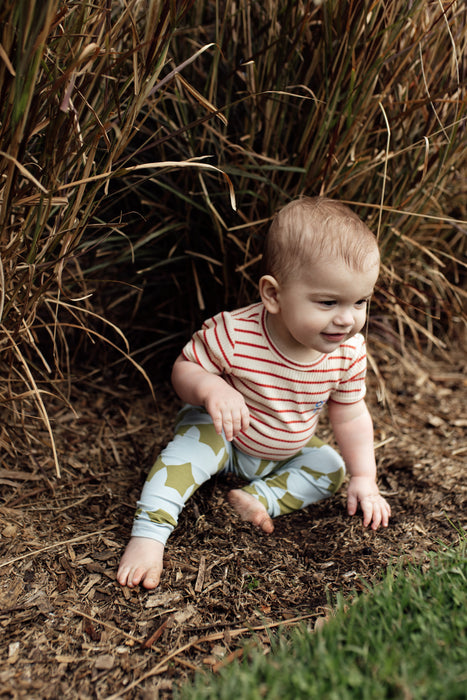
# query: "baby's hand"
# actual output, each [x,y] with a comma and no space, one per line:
[364,491]
[228,410]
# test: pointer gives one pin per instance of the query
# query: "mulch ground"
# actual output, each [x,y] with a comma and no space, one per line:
[69,630]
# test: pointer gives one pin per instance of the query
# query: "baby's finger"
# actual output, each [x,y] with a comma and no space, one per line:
[228,425]
[236,423]
[382,514]
[368,510]
[377,517]
[217,421]
[352,504]
[385,514]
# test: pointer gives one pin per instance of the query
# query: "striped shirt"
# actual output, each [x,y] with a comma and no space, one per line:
[284,397]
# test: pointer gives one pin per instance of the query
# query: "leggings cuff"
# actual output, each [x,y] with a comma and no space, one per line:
[152,531]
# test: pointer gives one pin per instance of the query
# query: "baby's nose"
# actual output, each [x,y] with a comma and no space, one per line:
[344,317]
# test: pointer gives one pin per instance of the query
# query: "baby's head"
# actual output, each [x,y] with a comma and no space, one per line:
[312,229]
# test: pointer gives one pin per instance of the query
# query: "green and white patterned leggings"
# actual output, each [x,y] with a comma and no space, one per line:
[197,453]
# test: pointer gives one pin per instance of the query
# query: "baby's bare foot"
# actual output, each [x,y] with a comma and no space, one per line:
[250,509]
[142,562]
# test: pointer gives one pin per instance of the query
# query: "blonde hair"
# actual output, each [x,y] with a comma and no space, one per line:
[310,228]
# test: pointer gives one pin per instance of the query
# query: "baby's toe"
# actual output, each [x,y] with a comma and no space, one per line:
[263,521]
[135,576]
[122,575]
[152,578]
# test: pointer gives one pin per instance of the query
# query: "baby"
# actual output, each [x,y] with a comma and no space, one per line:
[254,381]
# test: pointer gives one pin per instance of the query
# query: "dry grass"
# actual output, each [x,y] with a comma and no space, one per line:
[97,111]
[365,105]
[74,78]
[126,135]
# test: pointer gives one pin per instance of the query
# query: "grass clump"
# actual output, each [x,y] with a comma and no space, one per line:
[74,80]
[404,638]
[126,125]
[364,102]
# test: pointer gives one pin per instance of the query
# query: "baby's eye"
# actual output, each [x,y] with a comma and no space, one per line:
[327,302]
[361,302]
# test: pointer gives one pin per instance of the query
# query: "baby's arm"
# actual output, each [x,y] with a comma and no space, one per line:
[353,429]
[225,405]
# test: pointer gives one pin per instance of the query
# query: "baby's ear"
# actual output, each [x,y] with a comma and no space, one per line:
[269,291]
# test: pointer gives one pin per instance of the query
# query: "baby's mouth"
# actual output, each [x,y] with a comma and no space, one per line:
[334,337]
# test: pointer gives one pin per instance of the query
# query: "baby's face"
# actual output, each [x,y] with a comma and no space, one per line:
[320,308]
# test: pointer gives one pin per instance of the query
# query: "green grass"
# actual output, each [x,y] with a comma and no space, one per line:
[404,638]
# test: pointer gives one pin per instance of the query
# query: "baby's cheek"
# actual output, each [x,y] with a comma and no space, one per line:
[360,321]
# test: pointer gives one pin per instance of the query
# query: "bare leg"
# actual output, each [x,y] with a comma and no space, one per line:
[141,563]
[249,508]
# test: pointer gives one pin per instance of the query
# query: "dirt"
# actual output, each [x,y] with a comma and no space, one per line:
[69,630]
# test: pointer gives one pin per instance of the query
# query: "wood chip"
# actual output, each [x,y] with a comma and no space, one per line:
[105,662]
[114,643]
[163,599]
[201,574]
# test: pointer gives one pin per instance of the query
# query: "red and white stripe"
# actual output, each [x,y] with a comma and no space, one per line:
[284,397]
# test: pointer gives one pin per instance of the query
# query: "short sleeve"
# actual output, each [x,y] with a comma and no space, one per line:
[351,386]
[212,347]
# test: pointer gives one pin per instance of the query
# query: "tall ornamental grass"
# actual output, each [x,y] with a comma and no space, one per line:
[75,80]
[128,128]
[362,101]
